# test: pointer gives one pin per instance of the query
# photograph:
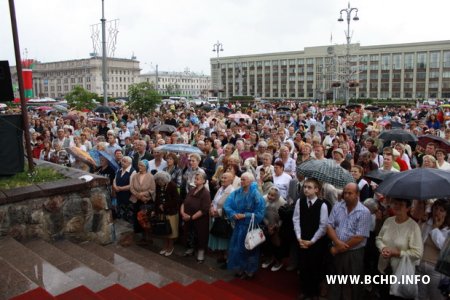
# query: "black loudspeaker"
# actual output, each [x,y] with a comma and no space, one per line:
[11,145]
[6,89]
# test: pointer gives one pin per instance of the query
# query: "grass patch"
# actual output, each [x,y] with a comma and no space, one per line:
[40,174]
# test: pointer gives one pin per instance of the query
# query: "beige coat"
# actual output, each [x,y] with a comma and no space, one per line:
[142,190]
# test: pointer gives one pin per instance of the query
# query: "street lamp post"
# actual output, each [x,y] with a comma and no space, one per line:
[104,58]
[217,47]
[348,11]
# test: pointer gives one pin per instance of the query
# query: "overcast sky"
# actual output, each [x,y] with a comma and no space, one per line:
[176,34]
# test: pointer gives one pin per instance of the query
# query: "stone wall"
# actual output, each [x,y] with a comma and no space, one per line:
[71,208]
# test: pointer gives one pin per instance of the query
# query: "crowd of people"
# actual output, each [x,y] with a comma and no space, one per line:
[249,167]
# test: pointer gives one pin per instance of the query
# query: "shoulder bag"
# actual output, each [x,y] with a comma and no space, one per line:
[255,235]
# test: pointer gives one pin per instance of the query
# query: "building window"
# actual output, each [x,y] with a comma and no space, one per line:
[434,59]
[409,61]
[421,60]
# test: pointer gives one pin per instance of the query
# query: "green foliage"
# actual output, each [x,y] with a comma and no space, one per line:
[80,98]
[143,98]
[40,174]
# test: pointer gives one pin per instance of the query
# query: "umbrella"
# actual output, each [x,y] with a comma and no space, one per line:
[397,135]
[224,109]
[180,148]
[111,160]
[420,184]
[378,175]
[397,125]
[353,106]
[440,142]
[60,108]
[70,117]
[97,120]
[103,110]
[283,113]
[371,108]
[164,128]
[326,171]
[207,107]
[94,153]
[285,108]
[239,116]
[81,155]
[445,106]
[45,108]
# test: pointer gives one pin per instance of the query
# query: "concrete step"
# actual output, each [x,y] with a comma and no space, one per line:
[118,269]
[153,262]
[69,265]
[12,281]
[35,268]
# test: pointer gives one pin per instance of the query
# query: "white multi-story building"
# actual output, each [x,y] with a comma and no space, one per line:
[188,84]
[397,71]
[56,79]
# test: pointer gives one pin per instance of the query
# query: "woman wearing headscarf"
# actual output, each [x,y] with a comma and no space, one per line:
[167,202]
[194,212]
[434,234]
[240,206]
[142,188]
[220,244]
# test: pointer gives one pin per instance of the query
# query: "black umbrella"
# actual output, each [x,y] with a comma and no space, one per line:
[207,107]
[397,125]
[420,184]
[103,110]
[285,108]
[164,128]
[397,135]
[224,109]
[378,175]
[440,142]
[353,106]
[372,108]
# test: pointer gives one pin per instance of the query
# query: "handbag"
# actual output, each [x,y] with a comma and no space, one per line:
[255,235]
[160,225]
[408,291]
[221,228]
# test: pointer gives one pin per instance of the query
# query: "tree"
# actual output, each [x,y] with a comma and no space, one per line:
[143,98]
[80,98]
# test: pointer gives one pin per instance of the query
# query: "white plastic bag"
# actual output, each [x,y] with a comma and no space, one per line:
[405,290]
[255,235]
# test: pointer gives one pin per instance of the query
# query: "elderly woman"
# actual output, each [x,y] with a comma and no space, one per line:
[272,248]
[400,236]
[241,205]
[173,169]
[167,202]
[434,234]
[289,162]
[142,188]
[121,186]
[194,212]
[215,243]
[233,169]
[429,162]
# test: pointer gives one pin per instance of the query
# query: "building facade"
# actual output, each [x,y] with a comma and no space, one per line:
[187,84]
[56,79]
[397,71]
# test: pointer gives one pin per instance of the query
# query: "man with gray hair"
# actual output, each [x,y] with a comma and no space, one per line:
[140,153]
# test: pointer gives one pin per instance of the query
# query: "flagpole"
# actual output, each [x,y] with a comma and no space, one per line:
[25,122]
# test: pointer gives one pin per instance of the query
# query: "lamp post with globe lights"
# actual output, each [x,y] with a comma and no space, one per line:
[218,47]
[348,11]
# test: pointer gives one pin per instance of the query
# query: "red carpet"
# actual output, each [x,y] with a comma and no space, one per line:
[182,292]
[262,290]
[151,292]
[282,281]
[215,292]
[36,294]
[237,290]
[118,292]
[78,293]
